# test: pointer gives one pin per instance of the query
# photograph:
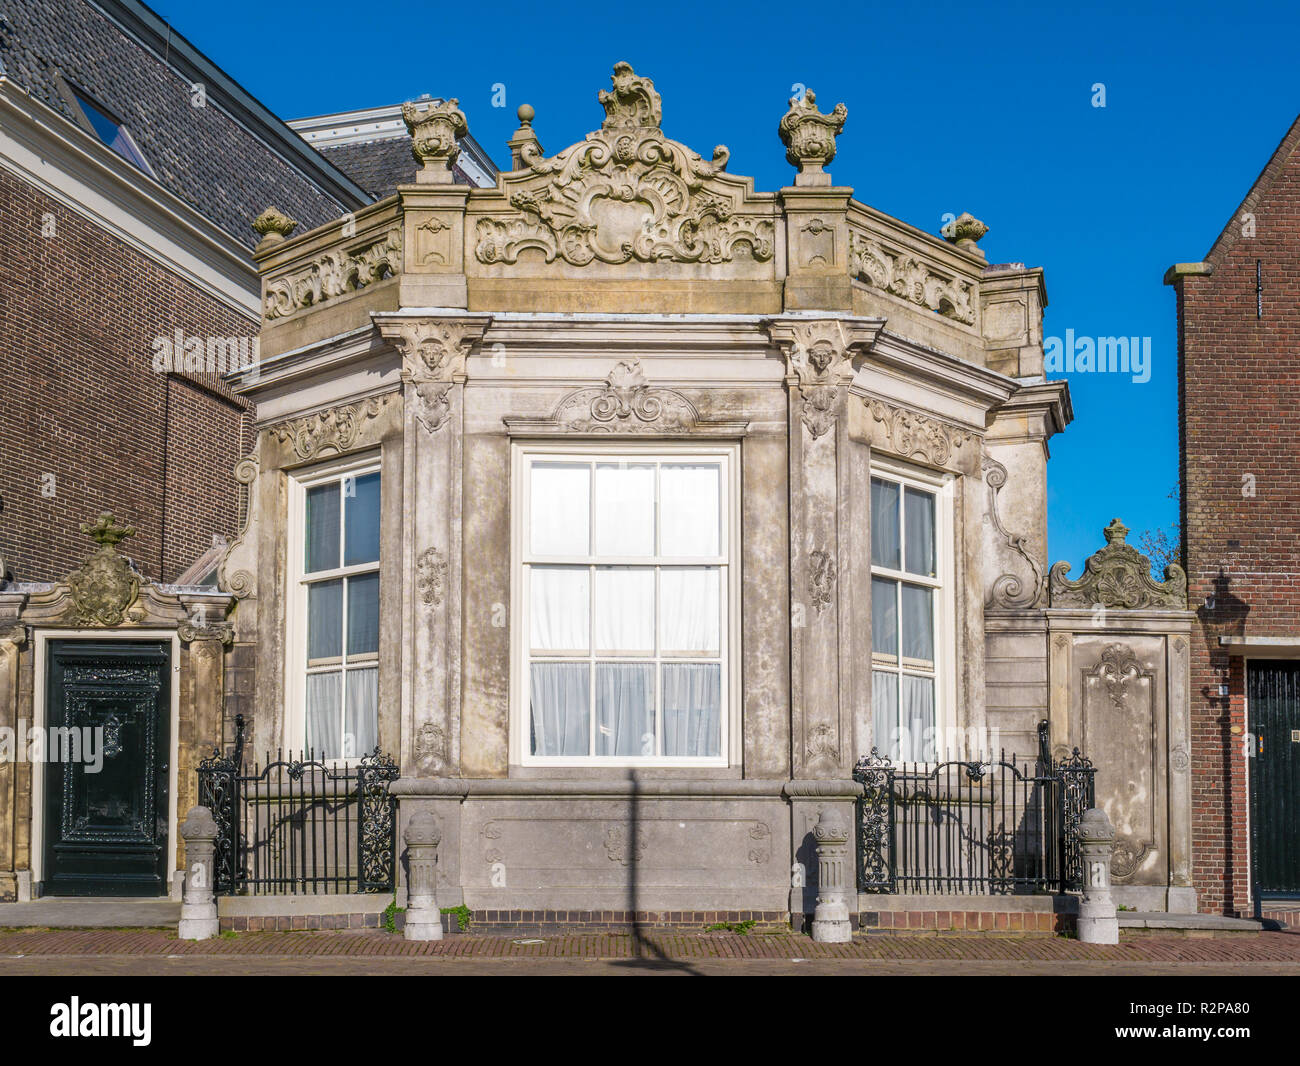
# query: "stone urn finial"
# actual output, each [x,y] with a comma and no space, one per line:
[809,137]
[107,530]
[632,103]
[435,130]
[273,225]
[1115,532]
[965,231]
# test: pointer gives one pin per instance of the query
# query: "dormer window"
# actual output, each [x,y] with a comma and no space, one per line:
[111,131]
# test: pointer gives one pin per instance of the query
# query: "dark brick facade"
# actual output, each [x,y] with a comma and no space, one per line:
[86,423]
[1239,398]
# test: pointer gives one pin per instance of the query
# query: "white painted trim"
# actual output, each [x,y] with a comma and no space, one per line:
[56,156]
[732,746]
[41,639]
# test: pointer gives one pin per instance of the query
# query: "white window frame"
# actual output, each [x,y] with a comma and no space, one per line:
[523,454]
[295,686]
[944,584]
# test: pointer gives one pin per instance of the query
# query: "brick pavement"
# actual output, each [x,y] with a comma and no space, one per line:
[666,945]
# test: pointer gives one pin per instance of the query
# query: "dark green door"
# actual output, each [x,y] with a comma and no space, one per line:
[1273,697]
[108,719]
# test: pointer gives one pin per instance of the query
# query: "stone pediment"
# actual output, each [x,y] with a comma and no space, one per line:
[626,194]
[1118,576]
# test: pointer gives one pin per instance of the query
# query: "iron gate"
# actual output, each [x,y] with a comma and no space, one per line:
[962,826]
[300,825]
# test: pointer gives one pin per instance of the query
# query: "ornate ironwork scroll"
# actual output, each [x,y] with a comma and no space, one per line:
[377,823]
[876,823]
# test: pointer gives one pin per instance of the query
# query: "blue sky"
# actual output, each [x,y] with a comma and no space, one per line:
[952,107]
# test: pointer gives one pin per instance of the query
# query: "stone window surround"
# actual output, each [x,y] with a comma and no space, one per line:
[295,643]
[733,692]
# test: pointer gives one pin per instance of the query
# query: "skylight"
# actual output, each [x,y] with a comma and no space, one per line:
[113,133]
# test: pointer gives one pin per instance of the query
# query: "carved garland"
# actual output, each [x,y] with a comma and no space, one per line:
[333,274]
[336,429]
[902,274]
[432,576]
[915,436]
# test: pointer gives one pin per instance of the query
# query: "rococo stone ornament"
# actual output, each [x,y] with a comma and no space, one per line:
[336,429]
[435,130]
[273,225]
[911,435]
[334,273]
[1118,576]
[1010,590]
[106,584]
[901,274]
[809,137]
[625,194]
[965,231]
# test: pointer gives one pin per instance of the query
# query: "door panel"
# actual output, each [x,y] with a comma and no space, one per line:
[108,741]
[1273,699]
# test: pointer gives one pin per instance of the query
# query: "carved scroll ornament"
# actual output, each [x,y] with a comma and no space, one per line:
[912,435]
[902,274]
[1118,576]
[1010,589]
[334,273]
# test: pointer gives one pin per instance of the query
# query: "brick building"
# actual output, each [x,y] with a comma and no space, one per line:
[1239,395]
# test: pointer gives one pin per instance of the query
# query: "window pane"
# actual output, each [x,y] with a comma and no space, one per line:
[325,619]
[884,712]
[560,708]
[324,736]
[625,610]
[916,732]
[689,506]
[884,524]
[625,509]
[322,528]
[361,519]
[918,623]
[361,717]
[919,531]
[625,709]
[689,609]
[561,506]
[561,608]
[363,614]
[692,698]
[884,616]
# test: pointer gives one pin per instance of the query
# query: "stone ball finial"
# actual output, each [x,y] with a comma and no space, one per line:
[965,231]
[526,114]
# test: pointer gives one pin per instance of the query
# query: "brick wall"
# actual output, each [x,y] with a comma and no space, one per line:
[1239,393]
[86,424]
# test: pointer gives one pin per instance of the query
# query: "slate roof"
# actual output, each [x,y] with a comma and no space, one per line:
[229,159]
[377,166]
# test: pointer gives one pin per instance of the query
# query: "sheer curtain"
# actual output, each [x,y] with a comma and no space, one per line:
[561,708]
[917,714]
[692,696]
[919,533]
[560,608]
[625,709]
[689,611]
[324,718]
[361,724]
[884,524]
[625,609]
[884,713]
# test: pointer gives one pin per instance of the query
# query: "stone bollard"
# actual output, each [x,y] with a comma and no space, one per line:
[831,918]
[423,918]
[1098,921]
[199,903]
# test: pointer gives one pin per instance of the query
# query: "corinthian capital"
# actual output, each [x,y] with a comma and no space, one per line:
[820,352]
[433,349]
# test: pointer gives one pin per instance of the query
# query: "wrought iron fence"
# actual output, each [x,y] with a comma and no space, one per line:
[300,825]
[965,826]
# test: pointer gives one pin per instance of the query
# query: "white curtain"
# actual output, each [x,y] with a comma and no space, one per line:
[884,616]
[884,523]
[917,715]
[884,712]
[361,513]
[919,533]
[692,695]
[625,610]
[689,609]
[690,510]
[625,509]
[560,608]
[361,720]
[561,708]
[324,720]
[324,619]
[625,709]
[561,508]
